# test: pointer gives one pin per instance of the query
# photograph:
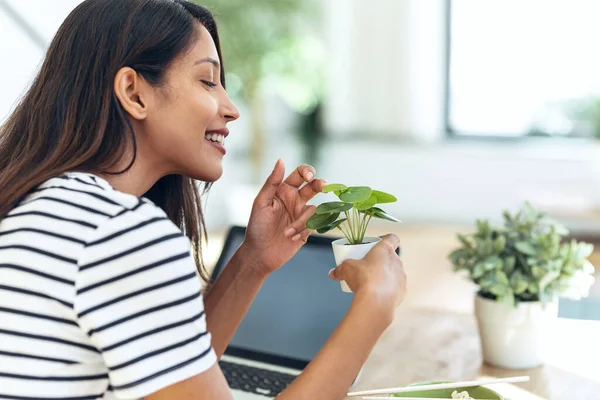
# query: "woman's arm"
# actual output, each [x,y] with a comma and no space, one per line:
[328,376]
[335,367]
[276,231]
[230,297]
[379,283]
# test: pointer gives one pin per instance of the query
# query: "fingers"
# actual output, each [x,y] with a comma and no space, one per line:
[299,225]
[336,273]
[332,274]
[269,189]
[304,173]
[391,241]
[339,273]
[312,189]
[302,236]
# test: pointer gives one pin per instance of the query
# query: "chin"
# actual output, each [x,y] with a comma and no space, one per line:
[207,175]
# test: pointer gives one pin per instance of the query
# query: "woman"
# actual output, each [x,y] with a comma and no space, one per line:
[99,294]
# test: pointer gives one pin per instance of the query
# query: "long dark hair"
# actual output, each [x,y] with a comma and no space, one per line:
[71,120]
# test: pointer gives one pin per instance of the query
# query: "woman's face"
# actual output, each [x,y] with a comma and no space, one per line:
[185,126]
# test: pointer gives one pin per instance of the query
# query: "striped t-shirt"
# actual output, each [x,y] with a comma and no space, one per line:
[99,296]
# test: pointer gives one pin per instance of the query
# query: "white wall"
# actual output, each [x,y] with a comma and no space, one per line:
[20,56]
[386,67]
[387,79]
[456,183]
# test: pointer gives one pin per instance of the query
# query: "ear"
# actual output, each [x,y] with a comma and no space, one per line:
[129,88]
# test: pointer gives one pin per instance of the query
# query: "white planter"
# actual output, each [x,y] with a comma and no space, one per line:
[515,338]
[344,251]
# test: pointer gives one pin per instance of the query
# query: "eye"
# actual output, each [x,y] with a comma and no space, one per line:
[209,84]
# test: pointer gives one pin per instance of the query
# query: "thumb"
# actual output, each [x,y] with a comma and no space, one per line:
[337,273]
[391,241]
[333,274]
[269,189]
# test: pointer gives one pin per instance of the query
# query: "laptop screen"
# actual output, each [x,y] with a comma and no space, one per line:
[296,310]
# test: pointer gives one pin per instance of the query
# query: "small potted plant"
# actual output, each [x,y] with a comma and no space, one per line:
[521,268]
[351,216]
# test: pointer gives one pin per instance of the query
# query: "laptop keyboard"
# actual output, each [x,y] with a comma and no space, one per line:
[255,380]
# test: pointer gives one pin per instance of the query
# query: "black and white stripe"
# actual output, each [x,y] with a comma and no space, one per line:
[99,296]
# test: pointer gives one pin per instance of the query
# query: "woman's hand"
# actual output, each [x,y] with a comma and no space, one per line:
[277,226]
[380,274]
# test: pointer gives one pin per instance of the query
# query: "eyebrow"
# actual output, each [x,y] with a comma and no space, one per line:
[208,60]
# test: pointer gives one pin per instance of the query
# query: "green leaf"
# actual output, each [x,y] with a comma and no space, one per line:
[465,242]
[459,258]
[383,197]
[497,289]
[488,280]
[499,244]
[546,279]
[526,248]
[333,206]
[329,227]
[321,220]
[383,215]
[478,271]
[485,247]
[502,278]
[333,187]
[509,264]
[508,297]
[518,282]
[507,217]
[365,205]
[492,263]
[538,272]
[534,288]
[356,194]
[483,227]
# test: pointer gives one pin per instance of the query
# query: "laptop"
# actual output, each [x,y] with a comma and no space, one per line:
[291,318]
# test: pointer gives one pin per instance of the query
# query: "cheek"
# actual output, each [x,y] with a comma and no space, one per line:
[198,113]
[207,109]
[185,120]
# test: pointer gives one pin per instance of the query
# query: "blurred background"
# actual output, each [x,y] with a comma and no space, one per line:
[461,108]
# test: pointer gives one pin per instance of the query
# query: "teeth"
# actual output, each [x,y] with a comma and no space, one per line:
[215,137]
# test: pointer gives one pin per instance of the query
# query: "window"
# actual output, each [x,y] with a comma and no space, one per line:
[524,68]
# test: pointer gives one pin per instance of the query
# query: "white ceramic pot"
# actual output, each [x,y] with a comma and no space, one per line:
[344,251]
[515,337]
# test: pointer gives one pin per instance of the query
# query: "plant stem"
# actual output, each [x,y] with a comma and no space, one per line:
[362,232]
[362,225]
[356,226]
[367,223]
[344,232]
[349,222]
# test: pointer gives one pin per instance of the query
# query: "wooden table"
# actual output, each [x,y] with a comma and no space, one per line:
[425,344]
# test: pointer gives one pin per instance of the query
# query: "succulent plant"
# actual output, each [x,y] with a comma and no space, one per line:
[526,259]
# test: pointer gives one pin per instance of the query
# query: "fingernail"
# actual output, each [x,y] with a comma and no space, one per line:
[296,237]
[310,176]
[289,231]
[331,272]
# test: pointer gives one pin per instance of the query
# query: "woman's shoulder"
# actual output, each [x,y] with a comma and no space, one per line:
[82,200]
[94,194]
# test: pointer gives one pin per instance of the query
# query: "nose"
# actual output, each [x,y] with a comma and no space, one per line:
[228,110]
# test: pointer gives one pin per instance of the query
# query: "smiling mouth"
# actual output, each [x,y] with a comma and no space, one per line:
[215,137]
